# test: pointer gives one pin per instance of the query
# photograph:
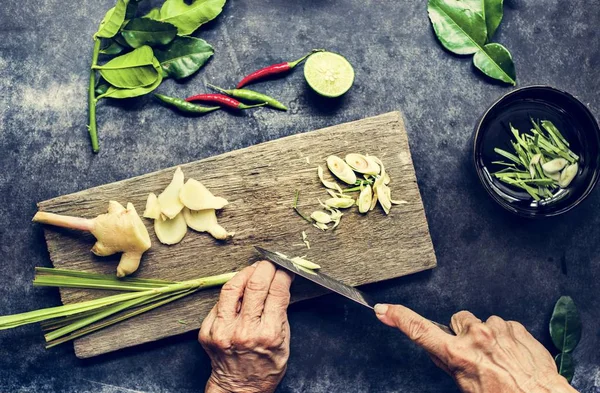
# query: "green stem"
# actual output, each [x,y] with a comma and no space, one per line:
[293,64]
[295,207]
[92,101]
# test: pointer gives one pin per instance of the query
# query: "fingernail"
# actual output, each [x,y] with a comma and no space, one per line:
[254,264]
[381,309]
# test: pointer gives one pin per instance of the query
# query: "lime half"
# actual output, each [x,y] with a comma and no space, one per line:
[329,74]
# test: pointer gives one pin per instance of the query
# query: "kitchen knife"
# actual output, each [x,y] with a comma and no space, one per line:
[327,282]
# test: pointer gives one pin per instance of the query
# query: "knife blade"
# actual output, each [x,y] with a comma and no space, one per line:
[328,282]
[319,278]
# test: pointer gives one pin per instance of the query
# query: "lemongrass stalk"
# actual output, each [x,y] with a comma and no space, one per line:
[117,319]
[70,282]
[11,321]
[40,271]
[83,322]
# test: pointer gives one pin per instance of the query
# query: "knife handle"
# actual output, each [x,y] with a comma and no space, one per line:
[445,328]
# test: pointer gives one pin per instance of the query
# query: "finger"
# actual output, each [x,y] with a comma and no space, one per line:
[204,335]
[231,293]
[418,329]
[498,326]
[462,320]
[278,298]
[257,291]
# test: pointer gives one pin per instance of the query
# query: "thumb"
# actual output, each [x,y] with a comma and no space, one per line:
[420,330]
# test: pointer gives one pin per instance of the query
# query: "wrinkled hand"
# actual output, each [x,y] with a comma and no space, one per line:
[497,356]
[247,334]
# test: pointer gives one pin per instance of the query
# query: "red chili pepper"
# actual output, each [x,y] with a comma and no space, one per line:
[274,70]
[221,99]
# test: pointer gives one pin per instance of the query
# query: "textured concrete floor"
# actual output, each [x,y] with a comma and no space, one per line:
[489,261]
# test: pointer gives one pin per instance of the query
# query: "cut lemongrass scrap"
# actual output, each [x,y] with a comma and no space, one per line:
[300,261]
[305,240]
[328,184]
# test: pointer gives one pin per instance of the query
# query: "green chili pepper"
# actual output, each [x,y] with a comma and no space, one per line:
[252,96]
[185,106]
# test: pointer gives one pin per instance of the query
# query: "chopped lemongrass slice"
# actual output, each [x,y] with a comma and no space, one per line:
[555,165]
[362,164]
[364,199]
[321,226]
[567,175]
[340,203]
[321,217]
[341,170]
[328,184]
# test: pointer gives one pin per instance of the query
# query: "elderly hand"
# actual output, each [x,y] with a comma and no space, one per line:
[247,334]
[496,356]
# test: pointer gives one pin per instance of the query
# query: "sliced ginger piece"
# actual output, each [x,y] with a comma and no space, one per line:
[169,202]
[170,231]
[195,196]
[206,221]
[152,207]
[119,230]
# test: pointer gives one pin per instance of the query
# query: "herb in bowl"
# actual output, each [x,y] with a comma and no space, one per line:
[542,162]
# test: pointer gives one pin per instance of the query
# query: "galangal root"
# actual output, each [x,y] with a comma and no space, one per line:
[119,230]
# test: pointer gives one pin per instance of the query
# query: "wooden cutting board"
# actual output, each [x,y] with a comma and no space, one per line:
[259,182]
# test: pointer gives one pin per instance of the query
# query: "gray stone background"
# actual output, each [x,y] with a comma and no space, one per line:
[489,261]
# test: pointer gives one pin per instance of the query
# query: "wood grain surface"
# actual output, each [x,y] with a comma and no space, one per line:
[259,182]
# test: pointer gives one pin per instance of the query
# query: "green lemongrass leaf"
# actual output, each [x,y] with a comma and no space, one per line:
[113,48]
[114,92]
[493,12]
[504,163]
[90,329]
[513,175]
[551,129]
[189,16]
[184,56]
[110,277]
[68,282]
[144,31]
[495,61]
[508,155]
[132,70]
[83,322]
[56,323]
[112,21]
[565,365]
[11,321]
[565,325]
[459,28]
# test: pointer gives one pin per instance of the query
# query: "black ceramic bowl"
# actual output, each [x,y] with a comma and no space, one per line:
[571,117]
